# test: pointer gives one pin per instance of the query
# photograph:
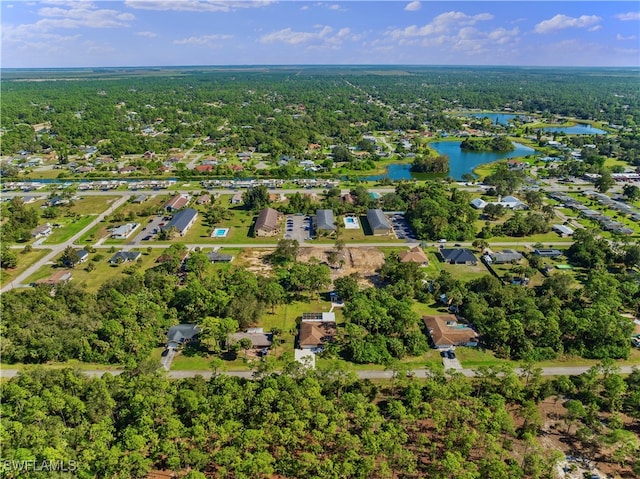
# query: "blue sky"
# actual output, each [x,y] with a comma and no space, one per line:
[62,33]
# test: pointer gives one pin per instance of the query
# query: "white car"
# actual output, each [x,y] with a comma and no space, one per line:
[442,240]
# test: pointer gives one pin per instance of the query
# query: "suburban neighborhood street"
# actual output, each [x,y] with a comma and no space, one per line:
[362,374]
[59,248]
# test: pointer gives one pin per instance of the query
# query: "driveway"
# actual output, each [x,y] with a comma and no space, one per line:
[450,363]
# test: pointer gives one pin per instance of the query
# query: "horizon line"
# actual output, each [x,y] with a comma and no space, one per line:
[316,65]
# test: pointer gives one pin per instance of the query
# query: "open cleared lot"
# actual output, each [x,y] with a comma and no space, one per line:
[103,271]
[67,230]
[24,261]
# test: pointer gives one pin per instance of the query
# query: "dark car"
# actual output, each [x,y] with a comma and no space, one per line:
[451,355]
[146,238]
[443,354]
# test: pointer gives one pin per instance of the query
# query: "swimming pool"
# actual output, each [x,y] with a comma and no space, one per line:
[351,223]
[219,232]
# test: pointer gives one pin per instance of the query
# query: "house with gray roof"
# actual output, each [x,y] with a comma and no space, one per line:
[182,221]
[458,256]
[181,334]
[378,222]
[506,256]
[124,257]
[325,221]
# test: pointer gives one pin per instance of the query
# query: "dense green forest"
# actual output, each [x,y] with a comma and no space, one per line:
[280,111]
[321,424]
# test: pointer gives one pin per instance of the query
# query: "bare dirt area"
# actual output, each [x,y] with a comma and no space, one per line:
[255,260]
[580,461]
[364,261]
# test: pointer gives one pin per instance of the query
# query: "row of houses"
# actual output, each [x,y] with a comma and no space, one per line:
[606,222]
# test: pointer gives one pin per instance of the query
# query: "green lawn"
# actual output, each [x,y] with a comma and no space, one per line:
[72,363]
[92,205]
[24,261]
[66,231]
[476,357]
[103,272]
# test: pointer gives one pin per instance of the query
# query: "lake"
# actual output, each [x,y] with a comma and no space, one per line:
[579,129]
[460,161]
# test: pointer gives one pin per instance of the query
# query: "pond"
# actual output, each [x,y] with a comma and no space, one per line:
[579,129]
[460,161]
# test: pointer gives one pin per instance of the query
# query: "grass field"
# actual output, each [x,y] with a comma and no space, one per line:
[24,261]
[66,231]
[92,205]
[103,272]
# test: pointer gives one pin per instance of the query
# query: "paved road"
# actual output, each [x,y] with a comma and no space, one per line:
[59,248]
[362,374]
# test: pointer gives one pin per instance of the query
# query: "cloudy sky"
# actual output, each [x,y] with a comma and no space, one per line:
[63,33]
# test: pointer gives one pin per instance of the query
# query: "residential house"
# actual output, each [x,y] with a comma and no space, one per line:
[259,339]
[57,278]
[347,198]
[267,223]
[505,256]
[478,203]
[316,330]
[176,203]
[124,257]
[123,231]
[414,255]
[182,221]
[181,334]
[445,332]
[140,199]
[216,257]
[547,252]
[83,255]
[203,200]
[204,168]
[236,199]
[125,170]
[378,222]
[562,230]
[325,221]
[41,231]
[149,155]
[457,256]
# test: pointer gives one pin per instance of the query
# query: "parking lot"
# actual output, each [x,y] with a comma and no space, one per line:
[147,231]
[401,227]
[298,227]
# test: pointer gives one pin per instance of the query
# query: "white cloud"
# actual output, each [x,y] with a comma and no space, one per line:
[42,36]
[413,6]
[195,5]
[206,40]
[147,34]
[323,37]
[560,22]
[622,38]
[83,15]
[304,7]
[445,23]
[625,17]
